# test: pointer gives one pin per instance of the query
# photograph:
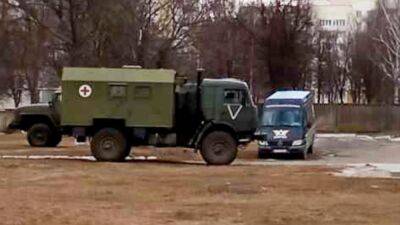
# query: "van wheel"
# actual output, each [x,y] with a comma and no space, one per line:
[263,154]
[218,148]
[303,155]
[39,135]
[109,145]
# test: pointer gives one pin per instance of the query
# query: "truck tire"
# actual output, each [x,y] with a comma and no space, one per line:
[109,145]
[218,148]
[39,135]
[128,148]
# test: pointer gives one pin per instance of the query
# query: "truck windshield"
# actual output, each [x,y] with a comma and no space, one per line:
[290,117]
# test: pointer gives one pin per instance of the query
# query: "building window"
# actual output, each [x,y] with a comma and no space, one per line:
[117,90]
[358,13]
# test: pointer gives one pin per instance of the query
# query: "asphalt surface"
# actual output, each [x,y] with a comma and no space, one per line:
[343,149]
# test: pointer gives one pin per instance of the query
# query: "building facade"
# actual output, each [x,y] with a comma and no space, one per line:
[342,15]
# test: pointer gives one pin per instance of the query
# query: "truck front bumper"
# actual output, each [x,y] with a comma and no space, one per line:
[10,124]
[282,150]
[14,125]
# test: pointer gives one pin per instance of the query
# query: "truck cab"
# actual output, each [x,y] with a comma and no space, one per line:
[287,125]
[40,121]
[227,102]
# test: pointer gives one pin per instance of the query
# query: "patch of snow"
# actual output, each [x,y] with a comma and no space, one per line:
[151,158]
[384,137]
[378,170]
[366,138]
[66,157]
[395,139]
[81,143]
[363,137]
[336,135]
[38,157]
[139,158]
[393,168]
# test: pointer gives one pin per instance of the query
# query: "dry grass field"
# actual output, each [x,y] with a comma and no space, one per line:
[168,191]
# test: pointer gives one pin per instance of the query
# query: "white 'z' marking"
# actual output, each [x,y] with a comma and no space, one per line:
[235,114]
[280,134]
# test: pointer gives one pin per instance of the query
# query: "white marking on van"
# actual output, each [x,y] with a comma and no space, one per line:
[280,134]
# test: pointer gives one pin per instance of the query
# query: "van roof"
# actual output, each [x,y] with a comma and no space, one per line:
[119,75]
[299,95]
[289,97]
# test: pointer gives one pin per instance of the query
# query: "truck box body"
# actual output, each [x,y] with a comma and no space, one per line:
[142,98]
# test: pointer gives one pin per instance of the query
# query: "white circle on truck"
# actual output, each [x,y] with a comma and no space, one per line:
[85,91]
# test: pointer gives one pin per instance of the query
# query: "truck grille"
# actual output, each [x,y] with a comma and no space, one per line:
[283,143]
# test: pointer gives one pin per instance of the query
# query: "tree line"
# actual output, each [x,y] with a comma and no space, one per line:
[270,46]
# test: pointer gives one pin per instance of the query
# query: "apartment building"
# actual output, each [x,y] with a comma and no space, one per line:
[342,15]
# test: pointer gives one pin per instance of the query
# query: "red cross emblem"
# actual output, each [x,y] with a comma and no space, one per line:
[85,91]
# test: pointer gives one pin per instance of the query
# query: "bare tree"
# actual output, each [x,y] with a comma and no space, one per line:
[286,41]
[10,41]
[389,43]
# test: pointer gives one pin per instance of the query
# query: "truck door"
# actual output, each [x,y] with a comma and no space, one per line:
[239,110]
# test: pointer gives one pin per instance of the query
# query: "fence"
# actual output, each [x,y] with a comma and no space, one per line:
[358,118]
[6,118]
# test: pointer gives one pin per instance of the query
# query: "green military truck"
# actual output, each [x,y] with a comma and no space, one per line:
[120,108]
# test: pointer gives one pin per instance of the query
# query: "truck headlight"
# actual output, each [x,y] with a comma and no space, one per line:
[297,142]
[263,143]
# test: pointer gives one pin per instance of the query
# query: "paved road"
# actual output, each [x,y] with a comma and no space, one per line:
[343,150]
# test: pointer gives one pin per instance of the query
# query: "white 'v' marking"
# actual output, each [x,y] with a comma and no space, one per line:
[234,115]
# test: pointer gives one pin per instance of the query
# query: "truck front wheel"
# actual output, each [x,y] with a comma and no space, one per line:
[109,144]
[39,135]
[218,148]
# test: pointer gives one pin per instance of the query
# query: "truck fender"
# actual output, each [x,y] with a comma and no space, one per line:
[27,119]
[208,127]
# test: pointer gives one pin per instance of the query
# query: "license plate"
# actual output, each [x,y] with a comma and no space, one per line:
[280,151]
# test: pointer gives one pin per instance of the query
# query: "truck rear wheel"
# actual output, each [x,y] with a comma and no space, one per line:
[219,148]
[110,145]
[39,135]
